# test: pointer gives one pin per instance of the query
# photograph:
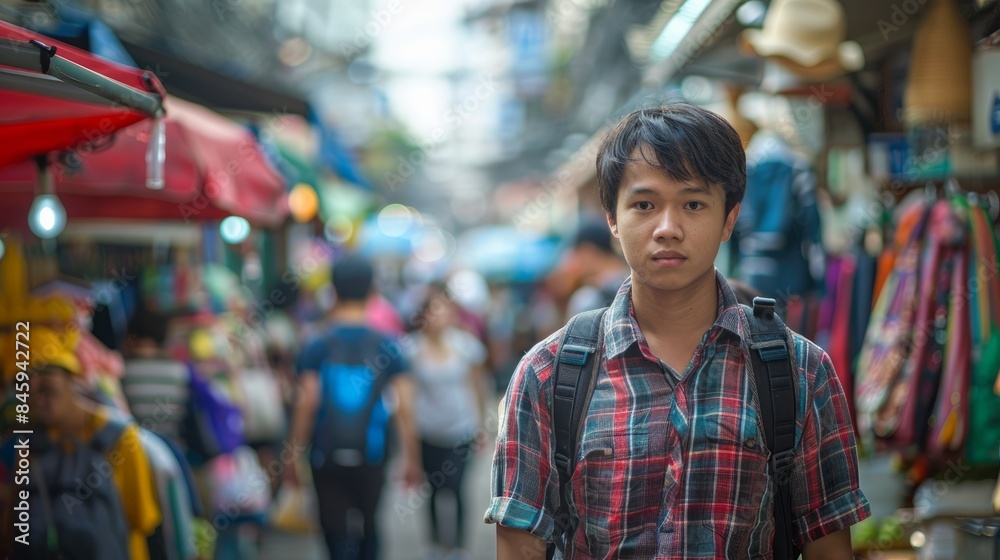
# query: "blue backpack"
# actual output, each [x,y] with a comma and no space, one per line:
[352,421]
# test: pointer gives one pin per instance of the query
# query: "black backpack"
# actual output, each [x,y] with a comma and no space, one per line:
[351,423]
[576,373]
[76,510]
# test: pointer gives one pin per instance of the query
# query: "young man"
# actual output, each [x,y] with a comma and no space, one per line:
[341,413]
[671,461]
[601,268]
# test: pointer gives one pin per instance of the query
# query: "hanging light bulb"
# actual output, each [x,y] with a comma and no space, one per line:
[47,217]
[234,229]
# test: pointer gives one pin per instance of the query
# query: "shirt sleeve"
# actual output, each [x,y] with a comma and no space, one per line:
[825,490]
[525,483]
[134,480]
[395,350]
[312,355]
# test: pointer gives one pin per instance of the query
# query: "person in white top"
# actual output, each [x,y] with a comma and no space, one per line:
[447,364]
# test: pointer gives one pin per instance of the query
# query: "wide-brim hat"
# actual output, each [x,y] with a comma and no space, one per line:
[806,36]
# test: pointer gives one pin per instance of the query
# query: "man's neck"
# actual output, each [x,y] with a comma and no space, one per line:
[351,312]
[676,314]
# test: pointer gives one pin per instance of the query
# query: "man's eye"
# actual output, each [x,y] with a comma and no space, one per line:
[643,205]
[695,205]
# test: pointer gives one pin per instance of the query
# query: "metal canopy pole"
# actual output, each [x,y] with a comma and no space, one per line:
[39,57]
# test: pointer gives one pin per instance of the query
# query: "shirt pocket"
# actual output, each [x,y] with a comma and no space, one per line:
[729,465]
[604,517]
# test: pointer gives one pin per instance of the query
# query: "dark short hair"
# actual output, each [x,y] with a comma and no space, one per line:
[353,276]
[149,324]
[593,232]
[689,143]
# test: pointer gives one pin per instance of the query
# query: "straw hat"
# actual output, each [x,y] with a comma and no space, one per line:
[807,36]
[939,84]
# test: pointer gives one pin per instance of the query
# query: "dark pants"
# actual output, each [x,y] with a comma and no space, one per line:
[445,468]
[340,490]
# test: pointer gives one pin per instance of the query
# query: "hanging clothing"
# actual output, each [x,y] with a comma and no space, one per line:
[890,329]
[175,508]
[778,230]
[983,442]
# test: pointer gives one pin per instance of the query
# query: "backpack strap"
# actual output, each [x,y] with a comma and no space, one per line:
[772,366]
[575,372]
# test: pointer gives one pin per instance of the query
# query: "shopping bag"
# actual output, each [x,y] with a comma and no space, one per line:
[295,510]
[263,411]
[241,489]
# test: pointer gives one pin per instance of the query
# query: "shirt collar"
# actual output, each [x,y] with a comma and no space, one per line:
[622,331]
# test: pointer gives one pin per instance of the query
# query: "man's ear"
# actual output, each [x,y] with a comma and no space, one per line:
[727,230]
[612,223]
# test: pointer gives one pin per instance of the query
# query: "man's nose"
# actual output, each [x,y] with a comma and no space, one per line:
[668,225]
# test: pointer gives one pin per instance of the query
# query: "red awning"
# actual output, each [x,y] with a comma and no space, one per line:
[214,168]
[43,113]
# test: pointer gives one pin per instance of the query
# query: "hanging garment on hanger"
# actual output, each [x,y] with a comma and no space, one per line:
[839,346]
[829,302]
[983,442]
[889,333]
[862,300]
[951,411]
[903,420]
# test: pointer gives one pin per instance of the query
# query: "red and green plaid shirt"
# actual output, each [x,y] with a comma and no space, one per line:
[673,465]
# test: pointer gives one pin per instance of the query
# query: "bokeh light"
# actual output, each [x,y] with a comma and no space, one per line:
[395,220]
[303,202]
[234,229]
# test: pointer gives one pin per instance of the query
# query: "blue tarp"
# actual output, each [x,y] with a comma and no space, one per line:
[75,25]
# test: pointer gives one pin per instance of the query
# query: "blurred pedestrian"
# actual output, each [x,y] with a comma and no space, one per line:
[448,366]
[671,460]
[155,385]
[89,488]
[602,270]
[341,413]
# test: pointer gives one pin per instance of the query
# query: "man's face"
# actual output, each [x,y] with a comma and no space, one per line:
[51,394]
[670,231]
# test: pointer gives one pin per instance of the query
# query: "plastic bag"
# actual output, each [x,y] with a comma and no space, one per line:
[241,489]
[295,510]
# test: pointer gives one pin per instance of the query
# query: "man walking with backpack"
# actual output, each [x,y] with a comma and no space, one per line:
[676,424]
[341,414]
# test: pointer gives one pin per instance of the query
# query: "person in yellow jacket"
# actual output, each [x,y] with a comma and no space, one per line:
[61,417]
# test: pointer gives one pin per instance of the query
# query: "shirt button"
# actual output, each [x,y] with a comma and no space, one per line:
[750,442]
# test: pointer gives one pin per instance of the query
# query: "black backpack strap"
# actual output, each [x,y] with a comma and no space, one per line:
[574,373]
[772,366]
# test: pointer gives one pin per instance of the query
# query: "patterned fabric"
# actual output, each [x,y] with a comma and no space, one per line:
[671,465]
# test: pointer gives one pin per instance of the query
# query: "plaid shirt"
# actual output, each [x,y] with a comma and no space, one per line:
[673,465]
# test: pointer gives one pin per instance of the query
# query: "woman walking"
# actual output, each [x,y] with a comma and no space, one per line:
[447,364]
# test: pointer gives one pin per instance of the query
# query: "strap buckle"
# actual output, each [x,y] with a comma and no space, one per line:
[771,350]
[574,354]
[562,463]
[783,462]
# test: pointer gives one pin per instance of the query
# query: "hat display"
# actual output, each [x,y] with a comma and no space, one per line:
[807,36]
[939,82]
